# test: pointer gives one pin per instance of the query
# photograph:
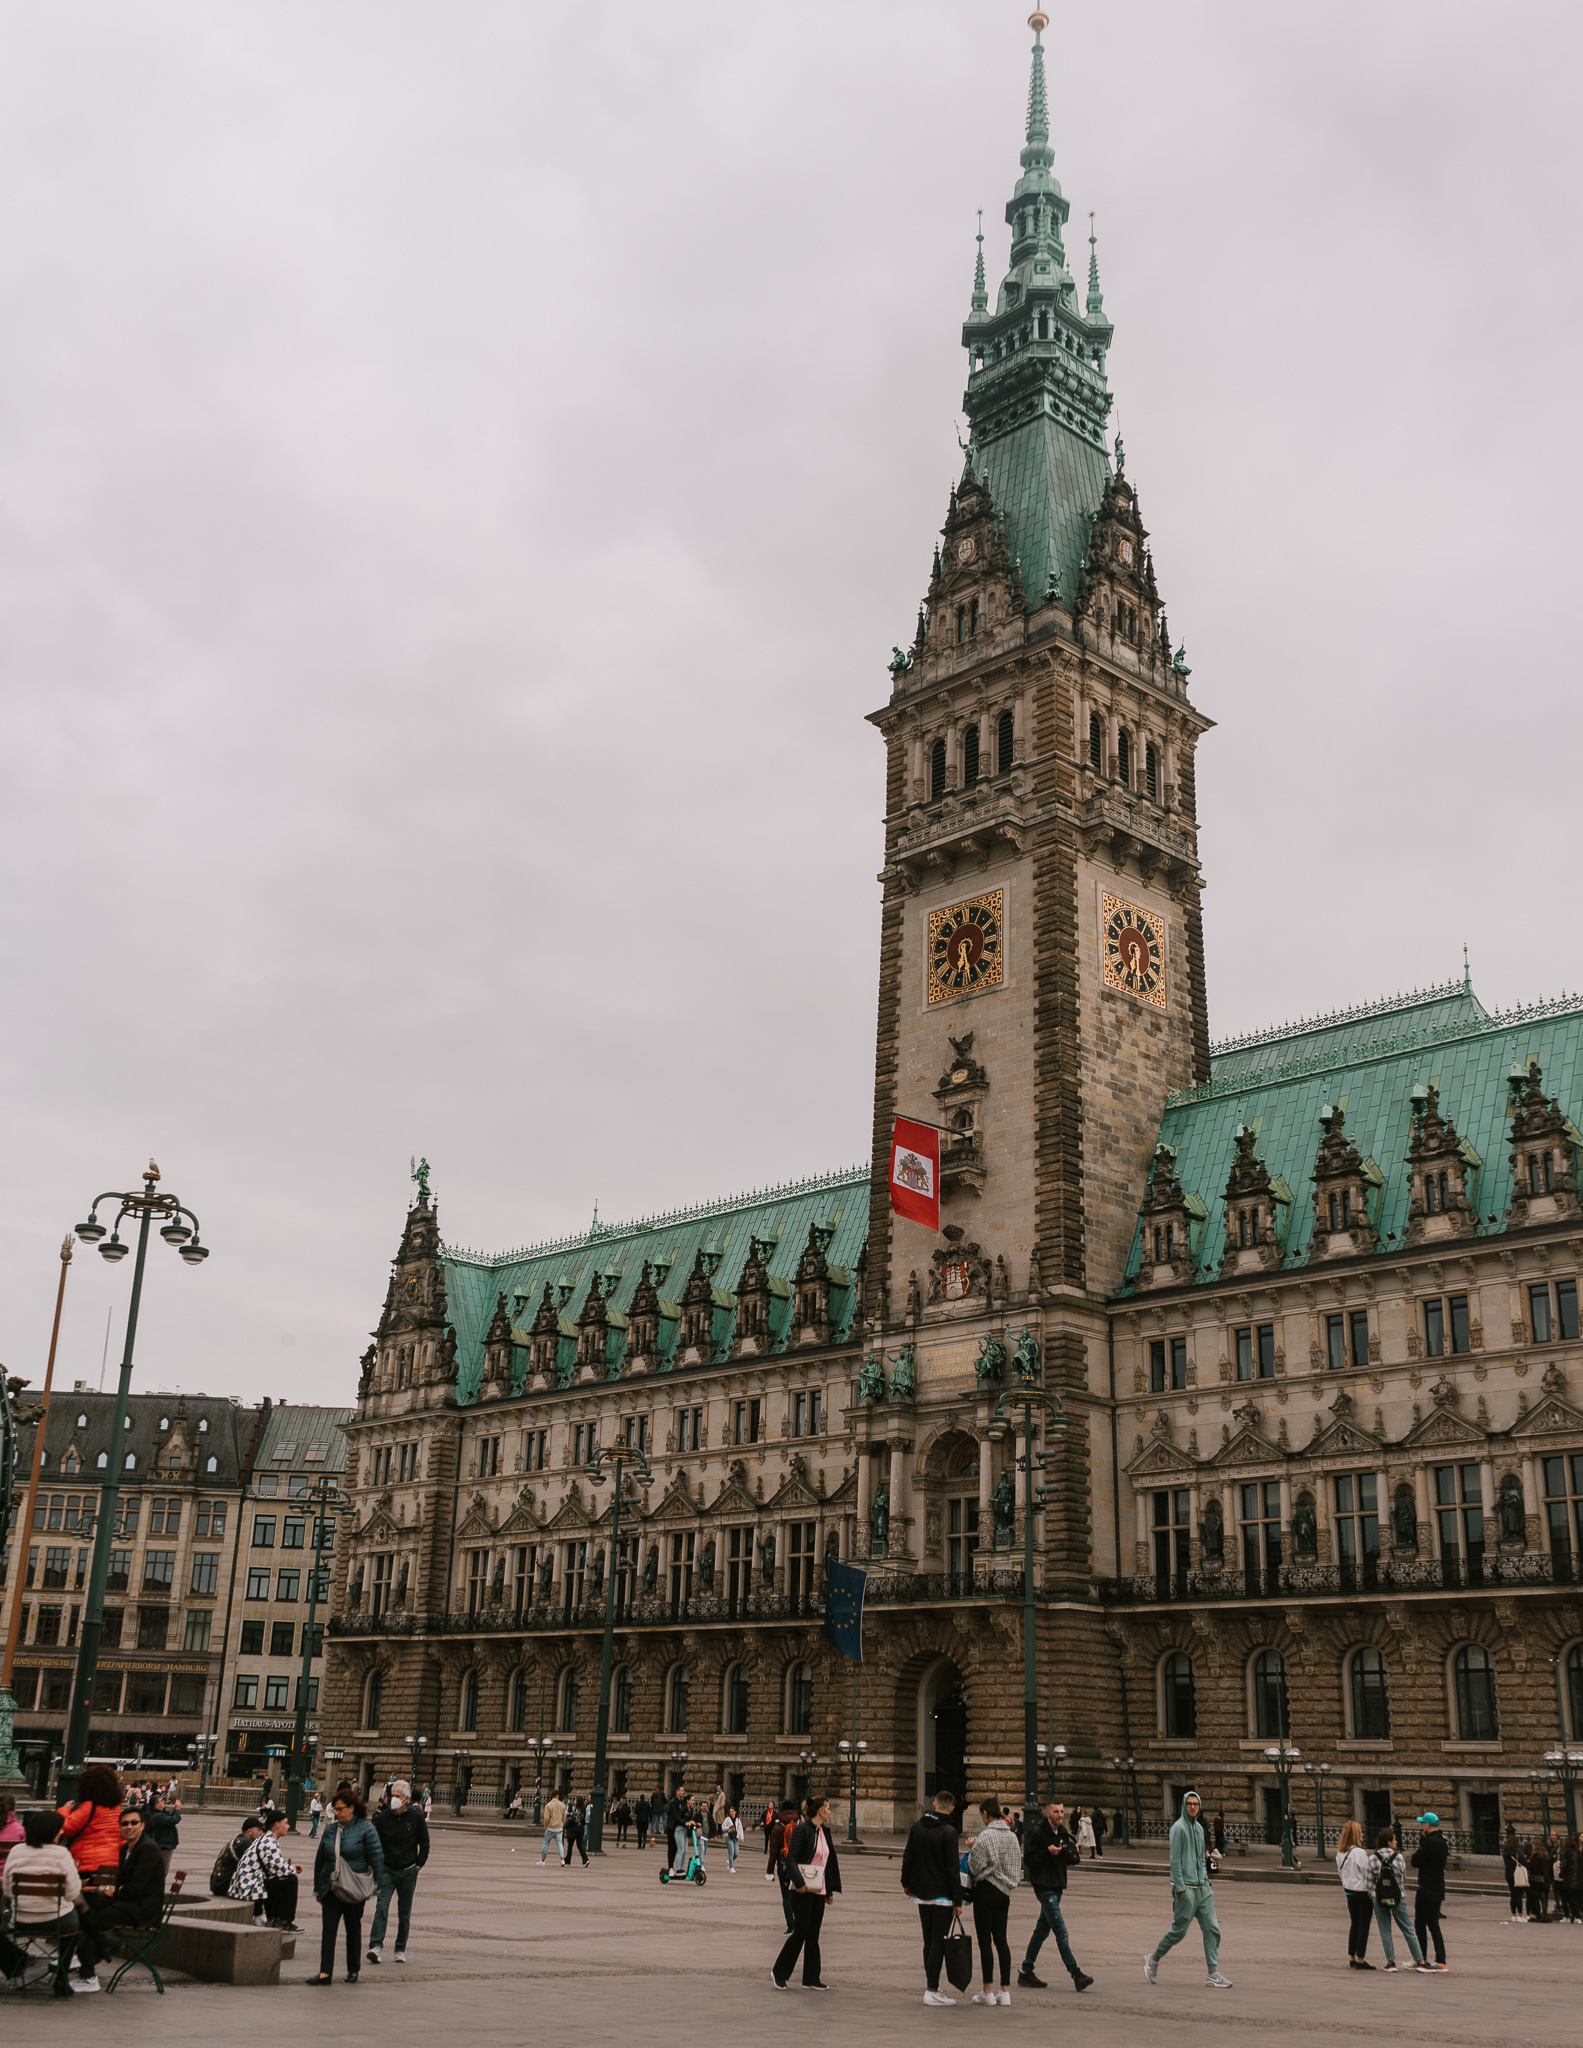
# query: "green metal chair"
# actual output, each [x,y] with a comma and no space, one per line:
[141,1942]
[54,1890]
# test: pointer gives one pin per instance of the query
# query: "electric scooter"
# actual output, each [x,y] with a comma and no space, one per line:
[694,1873]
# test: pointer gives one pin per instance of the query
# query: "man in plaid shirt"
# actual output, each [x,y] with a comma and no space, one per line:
[265,1877]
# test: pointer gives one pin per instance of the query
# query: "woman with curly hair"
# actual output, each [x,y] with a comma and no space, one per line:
[91,1823]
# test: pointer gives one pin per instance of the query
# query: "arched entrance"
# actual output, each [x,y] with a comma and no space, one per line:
[942,1731]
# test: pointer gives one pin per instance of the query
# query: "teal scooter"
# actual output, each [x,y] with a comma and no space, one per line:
[694,1873]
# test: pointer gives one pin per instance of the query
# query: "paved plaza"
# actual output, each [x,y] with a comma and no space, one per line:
[506,1951]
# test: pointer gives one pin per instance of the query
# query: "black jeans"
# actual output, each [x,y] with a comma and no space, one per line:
[99,1923]
[280,1897]
[936,1924]
[807,1919]
[1360,1911]
[990,1907]
[1426,1923]
[335,1911]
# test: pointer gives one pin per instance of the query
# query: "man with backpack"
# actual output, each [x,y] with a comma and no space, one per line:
[1192,1895]
[1048,1853]
[233,1852]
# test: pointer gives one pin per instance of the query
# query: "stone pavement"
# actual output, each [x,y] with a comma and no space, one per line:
[504,1951]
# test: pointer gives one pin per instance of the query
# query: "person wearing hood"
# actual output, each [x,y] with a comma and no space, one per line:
[1193,1897]
[931,1876]
[1429,1860]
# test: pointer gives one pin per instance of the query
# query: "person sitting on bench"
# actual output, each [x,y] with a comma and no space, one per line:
[136,1900]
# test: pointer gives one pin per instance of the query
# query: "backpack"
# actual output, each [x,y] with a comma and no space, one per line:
[224,1868]
[1387,1888]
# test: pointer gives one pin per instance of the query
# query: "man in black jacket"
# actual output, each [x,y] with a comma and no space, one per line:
[1429,1860]
[1047,1854]
[137,1898]
[676,1810]
[931,1875]
[404,1838]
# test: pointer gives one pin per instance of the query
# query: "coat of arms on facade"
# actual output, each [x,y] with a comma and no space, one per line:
[914,1173]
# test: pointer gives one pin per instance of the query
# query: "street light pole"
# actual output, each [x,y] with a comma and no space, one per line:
[1028,1398]
[1566,1762]
[1284,1761]
[145,1204]
[327,1499]
[852,1750]
[617,1456]
[1319,1773]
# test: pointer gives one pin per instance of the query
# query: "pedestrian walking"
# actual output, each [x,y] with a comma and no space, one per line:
[641,1816]
[554,1828]
[768,1824]
[1516,1864]
[264,1876]
[731,1828]
[1193,1897]
[1085,1833]
[1352,1867]
[1387,1881]
[404,1842]
[1048,1852]
[815,1880]
[994,1869]
[931,1876]
[717,1810]
[658,1805]
[315,1816]
[1429,1860]
[1101,1829]
[623,1820]
[347,1871]
[576,1829]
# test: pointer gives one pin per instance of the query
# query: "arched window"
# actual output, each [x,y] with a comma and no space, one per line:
[1371,1706]
[970,755]
[737,1700]
[1474,1677]
[1574,1691]
[131,1461]
[373,1700]
[1269,1695]
[1180,1708]
[961,622]
[566,1699]
[517,1715]
[1096,743]
[621,1702]
[1124,757]
[469,1720]
[676,1701]
[1005,742]
[937,770]
[212,1466]
[1151,773]
[799,1700]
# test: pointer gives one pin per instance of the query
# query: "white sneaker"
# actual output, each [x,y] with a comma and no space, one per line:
[937,1998]
[1003,1998]
[1151,1969]
[983,1998]
[1218,1983]
[401,1955]
[374,1956]
[86,1984]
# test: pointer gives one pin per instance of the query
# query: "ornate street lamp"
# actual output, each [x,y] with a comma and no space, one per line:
[1319,1773]
[1565,1761]
[201,1749]
[1283,1759]
[1028,1399]
[1125,1770]
[852,1751]
[328,1499]
[464,1758]
[145,1203]
[1053,1753]
[616,1457]
[538,1744]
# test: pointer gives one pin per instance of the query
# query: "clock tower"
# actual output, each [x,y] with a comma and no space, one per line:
[1041,965]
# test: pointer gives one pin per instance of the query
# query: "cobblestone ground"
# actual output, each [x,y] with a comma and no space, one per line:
[504,1951]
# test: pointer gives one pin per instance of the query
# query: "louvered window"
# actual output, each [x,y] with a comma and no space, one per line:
[937,769]
[1005,741]
[1151,773]
[1123,756]
[970,757]
[1096,742]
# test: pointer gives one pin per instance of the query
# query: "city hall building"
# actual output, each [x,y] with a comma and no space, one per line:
[1308,1300]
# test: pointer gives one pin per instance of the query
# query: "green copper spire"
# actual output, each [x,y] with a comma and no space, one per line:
[980,289]
[1036,398]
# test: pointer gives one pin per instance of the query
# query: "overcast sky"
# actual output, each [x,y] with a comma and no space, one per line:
[462,471]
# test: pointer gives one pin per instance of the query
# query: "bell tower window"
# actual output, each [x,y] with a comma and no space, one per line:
[970,756]
[1123,758]
[1096,743]
[1151,773]
[937,769]
[1005,741]
[961,623]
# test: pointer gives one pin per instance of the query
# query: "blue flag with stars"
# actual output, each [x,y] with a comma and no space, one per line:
[843,1608]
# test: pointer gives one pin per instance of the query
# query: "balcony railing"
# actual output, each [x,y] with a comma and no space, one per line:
[659,1610]
[1321,1581]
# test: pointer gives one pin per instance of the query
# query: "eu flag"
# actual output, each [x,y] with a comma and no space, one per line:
[843,1608]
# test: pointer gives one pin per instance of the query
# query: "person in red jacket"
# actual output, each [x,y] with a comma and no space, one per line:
[91,1823]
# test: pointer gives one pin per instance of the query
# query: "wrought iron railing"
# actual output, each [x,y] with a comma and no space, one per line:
[1316,1581]
[1305,1833]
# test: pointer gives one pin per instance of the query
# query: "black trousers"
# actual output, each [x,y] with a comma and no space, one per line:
[788,1896]
[936,1924]
[99,1923]
[1426,1923]
[335,1911]
[1360,1910]
[990,1908]
[807,1919]
[280,1897]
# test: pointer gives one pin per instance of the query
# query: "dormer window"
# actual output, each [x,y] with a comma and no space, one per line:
[164,1423]
[1164,1243]
[1541,1173]
[203,1425]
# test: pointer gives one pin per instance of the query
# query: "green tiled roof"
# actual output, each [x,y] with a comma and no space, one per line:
[1367,1062]
[617,1251]
[1048,484]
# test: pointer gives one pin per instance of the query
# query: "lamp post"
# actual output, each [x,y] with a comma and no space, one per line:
[1123,1767]
[1539,1780]
[1028,1399]
[852,1751]
[1283,1760]
[201,1749]
[145,1203]
[536,1745]
[1053,1753]
[1319,1773]
[1564,1761]
[463,1758]
[328,1499]
[617,1457]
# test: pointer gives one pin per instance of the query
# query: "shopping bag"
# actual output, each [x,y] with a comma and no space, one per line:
[959,1954]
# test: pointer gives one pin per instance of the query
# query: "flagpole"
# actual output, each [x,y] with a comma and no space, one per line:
[851,1815]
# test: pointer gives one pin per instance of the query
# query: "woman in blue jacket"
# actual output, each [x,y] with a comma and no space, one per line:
[352,1836]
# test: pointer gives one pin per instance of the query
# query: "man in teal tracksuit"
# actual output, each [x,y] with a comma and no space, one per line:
[1193,1896]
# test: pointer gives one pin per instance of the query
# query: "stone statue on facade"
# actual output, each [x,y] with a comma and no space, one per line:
[990,1364]
[706,1567]
[1404,1520]
[767,1559]
[1305,1528]
[914,1297]
[904,1375]
[871,1378]
[1004,1503]
[1212,1533]
[879,1523]
[1514,1523]
[651,1570]
[1026,1358]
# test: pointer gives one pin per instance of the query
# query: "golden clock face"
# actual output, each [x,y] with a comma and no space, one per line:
[1132,950]
[967,947]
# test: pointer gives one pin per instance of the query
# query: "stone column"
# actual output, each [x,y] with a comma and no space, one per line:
[1288,1540]
[1487,1501]
[1145,1560]
[1426,1527]
[1533,1510]
[865,1493]
[898,1497]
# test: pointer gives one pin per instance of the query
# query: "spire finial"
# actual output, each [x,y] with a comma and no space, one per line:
[1037,155]
[980,289]
[1096,303]
[1467,973]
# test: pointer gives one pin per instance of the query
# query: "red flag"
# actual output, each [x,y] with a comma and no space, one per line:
[915,1172]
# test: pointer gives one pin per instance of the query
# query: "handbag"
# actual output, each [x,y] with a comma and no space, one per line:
[959,1954]
[812,1875]
[1520,1877]
[355,1887]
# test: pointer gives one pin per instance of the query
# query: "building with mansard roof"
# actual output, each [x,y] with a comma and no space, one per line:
[1308,1302]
